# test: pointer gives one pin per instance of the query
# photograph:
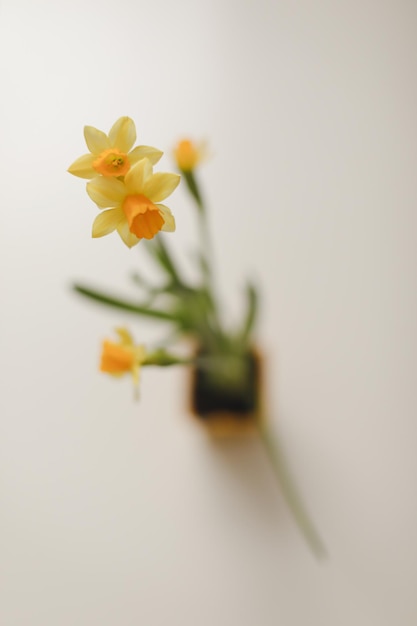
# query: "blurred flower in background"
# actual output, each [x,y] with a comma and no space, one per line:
[189,154]
[122,357]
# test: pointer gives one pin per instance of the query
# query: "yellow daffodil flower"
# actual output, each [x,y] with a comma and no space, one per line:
[188,154]
[112,155]
[133,205]
[122,357]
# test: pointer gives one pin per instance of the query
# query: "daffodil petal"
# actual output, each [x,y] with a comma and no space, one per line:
[169,225]
[138,175]
[125,336]
[145,152]
[106,222]
[136,375]
[96,140]
[83,167]
[106,192]
[160,186]
[122,134]
[128,238]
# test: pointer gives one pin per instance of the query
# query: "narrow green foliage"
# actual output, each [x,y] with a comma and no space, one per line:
[125,305]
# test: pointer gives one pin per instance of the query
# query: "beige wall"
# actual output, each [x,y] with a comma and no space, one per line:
[117,513]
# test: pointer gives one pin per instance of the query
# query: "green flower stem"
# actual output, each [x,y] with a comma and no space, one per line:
[194,190]
[191,182]
[162,358]
[165,259]
[276,456]
[206,245]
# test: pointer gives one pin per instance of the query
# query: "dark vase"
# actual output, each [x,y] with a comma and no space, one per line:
[226,396]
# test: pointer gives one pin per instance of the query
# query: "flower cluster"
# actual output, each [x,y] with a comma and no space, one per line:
[122,181]
[227,395]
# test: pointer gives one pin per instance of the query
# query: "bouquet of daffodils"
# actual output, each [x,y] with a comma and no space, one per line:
[227,392]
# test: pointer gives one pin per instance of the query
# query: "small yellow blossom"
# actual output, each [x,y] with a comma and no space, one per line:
[112,155]
[122,357]
[133,205]
[189,154]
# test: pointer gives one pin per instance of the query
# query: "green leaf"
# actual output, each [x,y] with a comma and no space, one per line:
[125,305]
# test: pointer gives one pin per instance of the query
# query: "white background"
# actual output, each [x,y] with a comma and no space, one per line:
[119,513]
